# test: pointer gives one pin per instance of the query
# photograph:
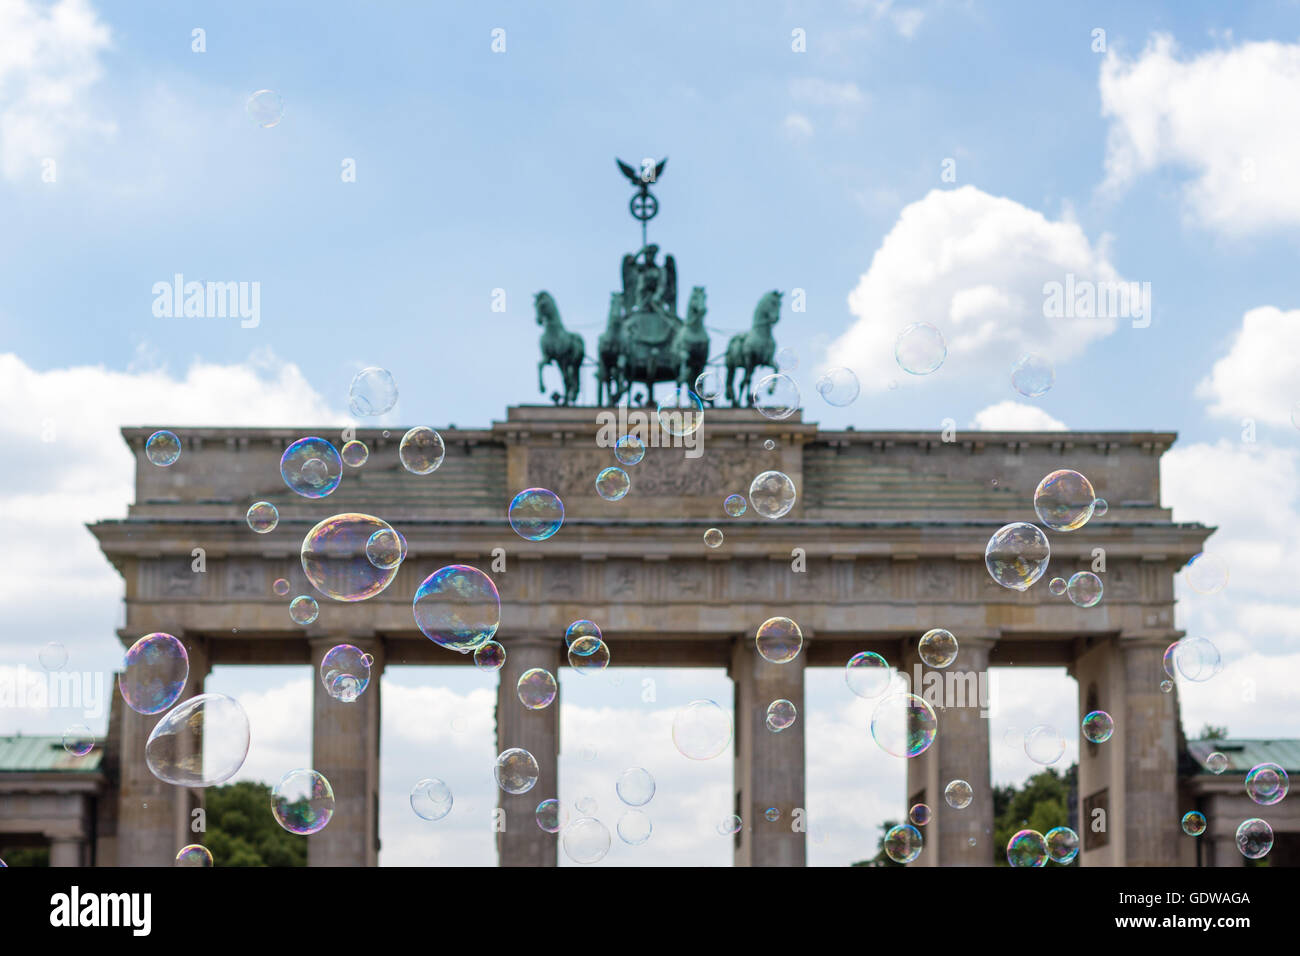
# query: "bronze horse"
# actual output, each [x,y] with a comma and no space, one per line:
[564,348]
[754,349]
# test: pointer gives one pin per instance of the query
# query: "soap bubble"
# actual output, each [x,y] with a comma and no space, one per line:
[903,844]
[1193,823]
[635,786]
[536,688]
[345,672]
[551,816]
[458,607]
[1197,659]
[303,802]
[265,108]
[1254,838]
[1166,686]
[775,396]
[516,770]
[920,349]
[311,467]
[1064,500]
[958,794]
[280,587]
[1267,784]
[710,384]
[769,444]
[1168,660]
[373,392]
[78,740]
[304,610]
[536,514]
[588,655]
[729,825]
[772,494]
[586,840]
[634,827]
[1032,375]
[713,538]
[354,454]
[431,799]
[612,483]
[771,814]
[838,387]
[1216,762]
[1206,573]
[867,674]
[582,628]
[1044,744]
[1057,586]
[263,517]
[53,656]
[779,640]
[489,656]
[937,647]
[1017,555]
[194,855]
[919,814]
[681,414]
[586,806]
[154,672]
[1100,507]
[201,742]
[163,448]
[780,715]
[735,505]
[702,730]
[421,450]
[629,450]
[787,360]
[1098,727]
[1027,848]
[385,549]
[1062,844]
[904,725]
[1084,589]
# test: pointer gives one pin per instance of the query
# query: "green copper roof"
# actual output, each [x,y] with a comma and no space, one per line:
[1244,753]
[24,754]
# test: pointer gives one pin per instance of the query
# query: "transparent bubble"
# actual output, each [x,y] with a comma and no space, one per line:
[582,628]
[634,827]
[1044,744]
[516,770]
[780,715]
[311,467]
[1100,507]
[265,108]
[729,825]
[769,444]
[713,538]
[431,799]
[489,656]
[787,360]
[612,483]
[551,816]
[163,448]
[1027,848]
[920,349]
[458,607]
[1216,762]
[1193,823]
[1168,660]
[303,802]
[1057,586]
[201,742]
[771,814]
[588,655]
[735,505]
[304,610]
[1013,739]
[372,392]
[1084,589]
[702,730]
[153,674]
[1064,500]
[368,660]
[385,549]
[682,414]
[903,844]
[78,740]
[772,494]
[629,450]
[586,806]
[586,840]
[904,725]
[194,855]
[280,587]
[1254,838]
[1017,555]
[53,656]
[345,672]
[1197,659]
[421,450]
[937,647]
[1098,727]
[1267,784]
[775,396]
[263,517]
[1206,573]
[536,514]
[1062,844]
[1166,686]
[919,814]
[1033,376]
[958,794]
[355,454]
[867,674]
[838,387]
[710,384]
[635,786]
[536,688]
[779,640]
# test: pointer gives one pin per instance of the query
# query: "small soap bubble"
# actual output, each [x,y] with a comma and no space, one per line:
[586,840]
[1057,586]
[1254,838]
[772,494]
[1044,744]
[779,640]
[629,450]
[904,725]
[265,108]
[551,816]
[1098,727]
[769,444]
[421,450]
[1166,686]
[771,814]
[920,349]
[536,688]
[311,467]
[385,549]
[303,802]
[582,628]
[1062,844]
[729,825]
[867,674]
[1197,659]
[634,827]
[775,396]
[194,855]
[1216,762]
[372,392]
[280,587]
[787,360]
[903,844]
[1033,376]
[489,656]
[431,799]
[635,786]
[781,714]
[710,384]
[1084,589]
[1206,573]
[354,454]
[1267,784]
[713,538]
[516,770]
[702,730]
[153,674]
[53,656]
[303,609]
[735,505]
[958,794]
[937,648]
[163,448]
[78,740]
[681,414]
[838,387]
[345,672]
[919,814]
[612,483]
[1100,507]
[1193,823]
[1017,555]
[1064,500]
[536,514]
[1027,848]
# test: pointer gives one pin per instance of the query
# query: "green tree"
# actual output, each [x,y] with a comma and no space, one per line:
[241,831]
[1211,732]
[1041,804]
[26,856]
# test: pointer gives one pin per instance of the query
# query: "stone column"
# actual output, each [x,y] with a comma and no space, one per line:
[67,852]
[769,766]
[958,694]
[522,842]
[1150,737]
[345,750]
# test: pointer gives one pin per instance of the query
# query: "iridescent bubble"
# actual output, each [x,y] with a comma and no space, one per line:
[867,674]
[634,827]
[201,742]
[582,628]
[536,688]
[769,444]
[838,387]
[787,360]
[355,454]
[681,414]
[336,557]
[958,794]
[536,514]
[421,450]
[904,725]
[153,674]
[771,814]
[1267,784]
[586,840]
[1216,762]
[1057,586]
[304,610]
[303,802]
[702,730]
[1027,848]
[1098,727]
[629,450]
[345,672]
[1168,660]
[1062,844]
[1254,838]
[775,396]
[53,656]
[710,384]
[263,517]
[551,816]
[265,108]
[372,392]
[431,799]
[635,786]
[903,844]
[919,814]
[458,607]
[489,656]
[1017,555]
[163,448]
[1044,744]
[384,549]
[920,349]
[937,648]
[588,655]
[780,715]
[772,494]
[1100,507]
[1064,500]
[1197,659]
[1033,376]
[1084,589]
[78,740]
[735,505]
[1193,823]
[516,770]
[280,587]
[1166,686]
[586,806]
[729,825]
[779,640]
[311,467]
[612,483]
[1206,573]
[194,855]
[713,538]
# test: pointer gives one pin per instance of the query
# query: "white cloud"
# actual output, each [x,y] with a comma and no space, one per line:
[1012,416]
[1259,378]
[797,126]
[819,92]
[1229,116]
[906,20]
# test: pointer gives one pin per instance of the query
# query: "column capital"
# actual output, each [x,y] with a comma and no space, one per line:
[1146,640]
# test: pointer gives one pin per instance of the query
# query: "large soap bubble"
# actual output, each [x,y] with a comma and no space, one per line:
[1017,555]
[1064,500]
[421,450]
[458,607]
[772,494]
[536,513]
[920,349]
[335,561]
[303,802]
[775,396]
[904,725]
[586,840]
[201,742]
[372,392]
[311,467]
[154,673]
[779,640]
[702,730]
[345,672]
[516,770]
